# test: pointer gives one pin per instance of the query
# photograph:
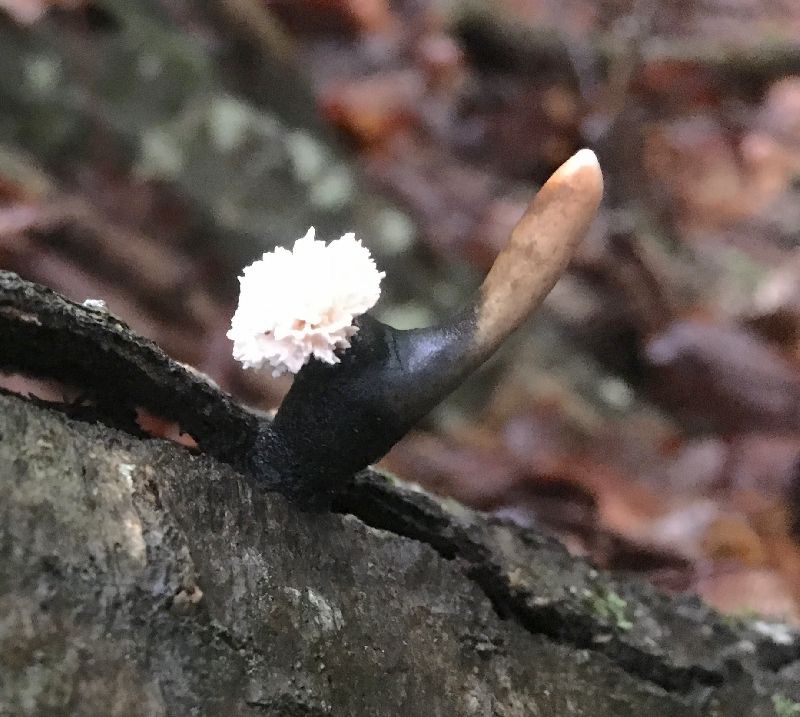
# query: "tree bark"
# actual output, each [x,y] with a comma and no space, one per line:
[140,578]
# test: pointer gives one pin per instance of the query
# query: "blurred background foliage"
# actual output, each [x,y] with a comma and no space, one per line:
[649,415]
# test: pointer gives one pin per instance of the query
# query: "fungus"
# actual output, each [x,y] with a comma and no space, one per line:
[301,303]
[369,383]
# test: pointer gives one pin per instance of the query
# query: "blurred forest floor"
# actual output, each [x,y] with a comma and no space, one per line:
[650,414]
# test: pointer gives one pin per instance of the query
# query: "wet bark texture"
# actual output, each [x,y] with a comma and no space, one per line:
[138,574]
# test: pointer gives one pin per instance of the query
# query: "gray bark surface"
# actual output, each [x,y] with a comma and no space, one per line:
[139,579]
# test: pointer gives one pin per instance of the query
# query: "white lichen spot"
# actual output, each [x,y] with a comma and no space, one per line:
[333,189]
[312,614]
[301,303]
[396,230]
[136,546]
[42,75]
[160,156]
[308,156]
[779,633]
[616,393]
[327,617]
[126,471]
[95,305]
[293,594]
[516,578]
[228,122]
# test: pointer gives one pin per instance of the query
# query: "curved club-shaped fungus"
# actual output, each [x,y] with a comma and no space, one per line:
[338,418]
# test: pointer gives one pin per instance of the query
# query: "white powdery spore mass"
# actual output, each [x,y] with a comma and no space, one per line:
[301,303]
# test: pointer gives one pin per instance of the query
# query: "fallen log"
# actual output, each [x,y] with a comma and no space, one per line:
[160,580]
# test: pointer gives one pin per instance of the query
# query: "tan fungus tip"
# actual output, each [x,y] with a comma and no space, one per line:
[540,247]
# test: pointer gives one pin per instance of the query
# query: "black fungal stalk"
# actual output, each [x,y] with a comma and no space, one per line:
[339,418]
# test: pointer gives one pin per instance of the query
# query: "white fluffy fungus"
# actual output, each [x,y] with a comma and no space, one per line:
[299,303]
